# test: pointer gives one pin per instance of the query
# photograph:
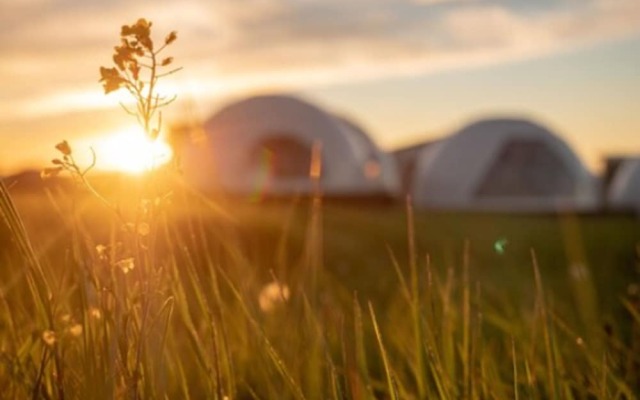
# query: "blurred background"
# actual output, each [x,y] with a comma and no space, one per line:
[407,70]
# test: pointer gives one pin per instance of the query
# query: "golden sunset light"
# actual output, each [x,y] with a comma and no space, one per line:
[128,150]
[320,199]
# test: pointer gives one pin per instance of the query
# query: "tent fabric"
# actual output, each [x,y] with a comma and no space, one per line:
[624,191]
[263,145]
[379,166]
[503,165]
[406,159]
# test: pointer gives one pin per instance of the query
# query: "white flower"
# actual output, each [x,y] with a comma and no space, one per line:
[75,330]
[49,337]
[102,251]
[579,271]
[272,295]
[95,313]
[143,229]
[126,264]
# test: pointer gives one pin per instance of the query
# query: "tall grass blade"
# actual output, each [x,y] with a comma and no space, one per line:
[581,281]
[416,311]
[447,328]
[361,349]
[37,278]
[277,361]
[391,384]
[336,392]
[314,259]
[552,382]
[466,324]
[404,287]
[514,362]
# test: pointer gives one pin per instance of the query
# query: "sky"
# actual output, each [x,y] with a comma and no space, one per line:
[406,70]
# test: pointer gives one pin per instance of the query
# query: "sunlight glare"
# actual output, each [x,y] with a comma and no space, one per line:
[131,151]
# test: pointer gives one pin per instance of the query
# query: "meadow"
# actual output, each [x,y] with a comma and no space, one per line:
[140,288]
[312,299]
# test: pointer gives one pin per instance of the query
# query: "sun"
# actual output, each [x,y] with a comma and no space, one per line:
[130,151]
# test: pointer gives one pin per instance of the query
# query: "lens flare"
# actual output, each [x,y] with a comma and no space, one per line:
[130,151]
[500,245]
[265,166]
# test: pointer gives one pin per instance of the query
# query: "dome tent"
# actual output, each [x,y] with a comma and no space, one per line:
[624,191]
[503,165]
[264,145]
[378,165]
[406,158]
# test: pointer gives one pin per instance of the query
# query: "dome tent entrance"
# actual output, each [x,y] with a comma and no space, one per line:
[263,145]
[503,165]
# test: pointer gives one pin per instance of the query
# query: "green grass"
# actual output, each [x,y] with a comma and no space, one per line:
[382,302]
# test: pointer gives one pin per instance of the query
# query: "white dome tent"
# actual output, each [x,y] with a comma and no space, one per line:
[378,165]
[506,165]
[263,145]
[624,191]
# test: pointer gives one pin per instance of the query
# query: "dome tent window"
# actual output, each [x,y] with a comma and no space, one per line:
[283,155]
[527,168]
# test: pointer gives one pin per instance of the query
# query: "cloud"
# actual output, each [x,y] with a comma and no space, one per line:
[316,43]
[304,34]
[52,50]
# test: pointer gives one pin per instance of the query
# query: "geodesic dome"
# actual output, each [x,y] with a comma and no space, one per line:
[263,145]
[503,165]
[624,191]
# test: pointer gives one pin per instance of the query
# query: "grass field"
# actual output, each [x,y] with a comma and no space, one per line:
[296,299]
